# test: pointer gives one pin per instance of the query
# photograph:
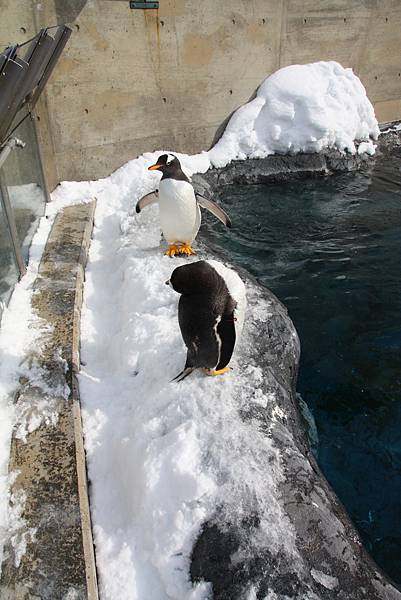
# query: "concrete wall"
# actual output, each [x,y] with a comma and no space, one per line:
[132,80]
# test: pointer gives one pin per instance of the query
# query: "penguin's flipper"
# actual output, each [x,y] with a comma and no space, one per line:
[147,200]
[226,331]
[215,209]
[184,373]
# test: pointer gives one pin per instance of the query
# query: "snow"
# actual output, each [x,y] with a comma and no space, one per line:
[366,147]
[300,108]
[20,534]
[20,335]
[161,455]
[19,332]
[325,580]
[393,127]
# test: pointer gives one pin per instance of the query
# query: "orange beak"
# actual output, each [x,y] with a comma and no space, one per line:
[154,167]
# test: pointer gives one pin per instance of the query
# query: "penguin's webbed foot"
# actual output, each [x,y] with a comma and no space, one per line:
[186,249]
[172,250]
[219,372]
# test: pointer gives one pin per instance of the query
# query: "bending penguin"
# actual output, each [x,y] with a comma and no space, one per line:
[180,216]
[210,314]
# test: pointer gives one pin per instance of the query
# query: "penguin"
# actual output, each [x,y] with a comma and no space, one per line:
[211,313]
[180,216]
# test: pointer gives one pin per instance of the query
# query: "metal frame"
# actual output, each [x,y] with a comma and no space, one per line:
[12,72]
[143,5]
[34,121]
[61,38]
[24,77]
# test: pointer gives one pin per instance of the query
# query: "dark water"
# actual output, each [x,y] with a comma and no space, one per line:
[330,249]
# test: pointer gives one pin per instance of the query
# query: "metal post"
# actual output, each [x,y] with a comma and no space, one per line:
[45,187]
[6,149]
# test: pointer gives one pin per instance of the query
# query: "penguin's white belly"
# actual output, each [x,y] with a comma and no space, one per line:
[237,291]
[179,212]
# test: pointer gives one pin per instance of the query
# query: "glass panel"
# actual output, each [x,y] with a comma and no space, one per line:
[23,177]
[8,269]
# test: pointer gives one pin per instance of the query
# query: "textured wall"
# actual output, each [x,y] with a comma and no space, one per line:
[132,80]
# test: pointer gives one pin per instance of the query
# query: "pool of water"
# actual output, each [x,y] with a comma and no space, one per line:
[330,249]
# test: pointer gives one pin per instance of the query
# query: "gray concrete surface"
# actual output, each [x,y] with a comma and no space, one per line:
[131,81]
[50,464]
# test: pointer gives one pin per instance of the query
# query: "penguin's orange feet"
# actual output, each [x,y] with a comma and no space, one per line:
[219,372]
[186,249]
[172,250]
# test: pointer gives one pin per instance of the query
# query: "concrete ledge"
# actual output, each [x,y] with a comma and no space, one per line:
[59,559]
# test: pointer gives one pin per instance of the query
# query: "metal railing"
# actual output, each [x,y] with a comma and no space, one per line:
[24,72]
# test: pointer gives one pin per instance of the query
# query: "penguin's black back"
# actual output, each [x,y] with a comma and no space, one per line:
[197,322]
[204,310]
[199,278]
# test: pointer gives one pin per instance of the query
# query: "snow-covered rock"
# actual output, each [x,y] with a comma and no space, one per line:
[300,108]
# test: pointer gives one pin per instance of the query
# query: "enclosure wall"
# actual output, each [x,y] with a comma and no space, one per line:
[132,81]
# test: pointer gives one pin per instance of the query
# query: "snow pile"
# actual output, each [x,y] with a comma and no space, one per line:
[300,108]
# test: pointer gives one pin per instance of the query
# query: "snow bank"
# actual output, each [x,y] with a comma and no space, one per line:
[301,108]
[20,332]
[161,456]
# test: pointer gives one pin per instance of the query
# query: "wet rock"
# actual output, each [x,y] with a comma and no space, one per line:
[279,168]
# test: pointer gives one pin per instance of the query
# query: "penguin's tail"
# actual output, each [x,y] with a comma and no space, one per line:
[184,373]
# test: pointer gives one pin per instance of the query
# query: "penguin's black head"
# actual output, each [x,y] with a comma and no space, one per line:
[195,278]
[171,169]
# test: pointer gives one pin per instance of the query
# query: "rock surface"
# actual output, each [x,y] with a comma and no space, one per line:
[278,168]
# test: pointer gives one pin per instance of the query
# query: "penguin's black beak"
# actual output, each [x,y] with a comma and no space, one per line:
[155,167]
[167,282]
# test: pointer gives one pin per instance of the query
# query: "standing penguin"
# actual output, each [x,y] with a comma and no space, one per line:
[180,216]
[210,314]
